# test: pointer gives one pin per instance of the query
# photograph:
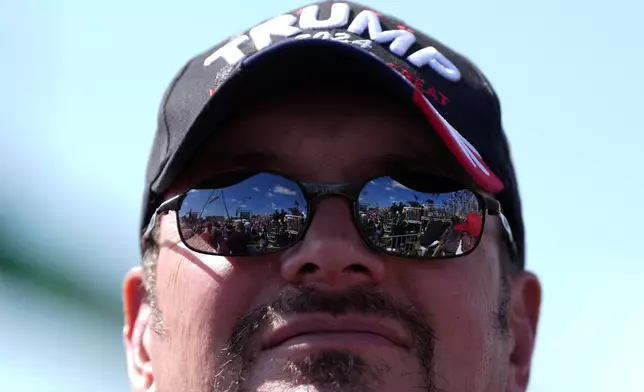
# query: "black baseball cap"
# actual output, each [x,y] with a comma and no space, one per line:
[338,40]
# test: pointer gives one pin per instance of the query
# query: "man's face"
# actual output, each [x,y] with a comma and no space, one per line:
[448,325]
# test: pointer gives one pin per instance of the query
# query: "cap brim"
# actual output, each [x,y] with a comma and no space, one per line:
[287,62]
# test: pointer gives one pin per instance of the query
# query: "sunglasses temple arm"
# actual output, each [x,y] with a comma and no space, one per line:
[171,204]
[494,208]
[508,232]
[149,227]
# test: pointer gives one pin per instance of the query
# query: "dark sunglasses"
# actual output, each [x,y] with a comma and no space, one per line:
[409,215]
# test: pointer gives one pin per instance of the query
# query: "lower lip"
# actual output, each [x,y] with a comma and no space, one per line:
[336,340]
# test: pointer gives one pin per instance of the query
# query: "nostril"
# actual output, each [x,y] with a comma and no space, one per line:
[309,268]
[358,268]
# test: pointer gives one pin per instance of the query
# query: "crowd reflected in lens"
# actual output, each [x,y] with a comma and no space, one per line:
[419,224]
[267,212]
[263,213]
[242,234]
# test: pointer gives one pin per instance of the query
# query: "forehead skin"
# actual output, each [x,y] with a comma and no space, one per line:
[336,134]
[327,136]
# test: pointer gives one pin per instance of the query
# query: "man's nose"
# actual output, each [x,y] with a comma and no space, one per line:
[332,253]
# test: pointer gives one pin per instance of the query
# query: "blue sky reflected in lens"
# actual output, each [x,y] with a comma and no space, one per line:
[384,191]
[262,194]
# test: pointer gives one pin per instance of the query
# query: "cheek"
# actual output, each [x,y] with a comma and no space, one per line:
[458,299]
[201,297]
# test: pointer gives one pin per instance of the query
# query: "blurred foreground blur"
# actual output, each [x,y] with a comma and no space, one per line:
[54,330]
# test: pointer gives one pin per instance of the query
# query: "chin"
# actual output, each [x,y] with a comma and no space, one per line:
[334,371]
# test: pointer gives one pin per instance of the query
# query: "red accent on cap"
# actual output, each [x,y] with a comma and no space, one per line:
[466,155]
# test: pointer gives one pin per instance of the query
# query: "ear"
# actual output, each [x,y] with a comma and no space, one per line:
[136,332]
[525,306]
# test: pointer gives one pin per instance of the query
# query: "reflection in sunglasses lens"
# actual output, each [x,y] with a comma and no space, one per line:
[263,213]
[396,219]
[266,213]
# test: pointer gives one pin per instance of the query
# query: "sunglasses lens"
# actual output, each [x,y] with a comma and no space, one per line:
[260,213]
[398,219]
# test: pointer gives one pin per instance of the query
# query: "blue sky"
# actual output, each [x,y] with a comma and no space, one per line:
[82,82]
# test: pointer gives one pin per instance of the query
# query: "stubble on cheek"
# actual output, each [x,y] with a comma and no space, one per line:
[193,332]
[183,360]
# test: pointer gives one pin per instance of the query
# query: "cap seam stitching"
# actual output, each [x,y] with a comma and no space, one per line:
[152,195]
[165,118]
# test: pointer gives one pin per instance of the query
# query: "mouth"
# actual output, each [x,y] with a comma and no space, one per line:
[320,332]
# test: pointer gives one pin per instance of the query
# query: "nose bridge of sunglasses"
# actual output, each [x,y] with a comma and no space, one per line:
[318,193]
[316,190]
[333,207]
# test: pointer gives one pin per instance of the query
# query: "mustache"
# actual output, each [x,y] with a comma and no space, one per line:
[308,299]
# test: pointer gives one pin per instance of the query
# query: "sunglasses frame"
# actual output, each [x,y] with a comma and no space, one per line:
[351,191]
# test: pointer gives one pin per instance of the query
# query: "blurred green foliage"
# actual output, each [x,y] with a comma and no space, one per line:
[19,266]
